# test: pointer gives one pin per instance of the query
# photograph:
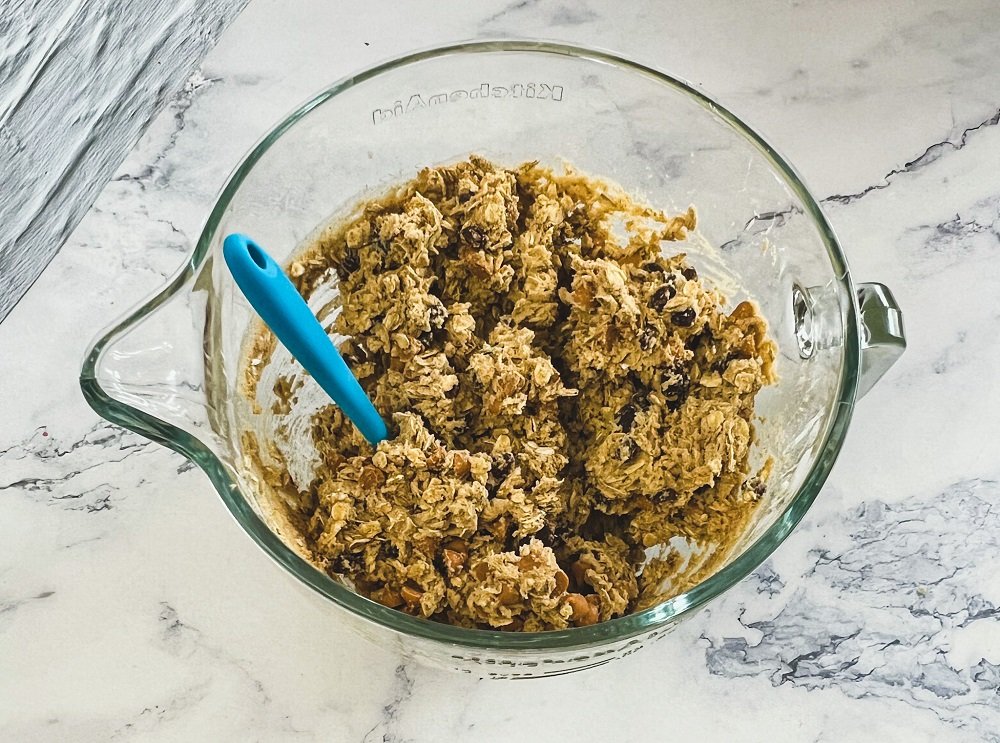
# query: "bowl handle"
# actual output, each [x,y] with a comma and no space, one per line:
[882,337]
[147,372]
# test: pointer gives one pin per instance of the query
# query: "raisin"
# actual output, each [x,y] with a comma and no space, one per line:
[720,365]
[502,468]
[652,267]
[675,389]
[647,338]
[684,318]
[564,276]
[390,551]
[705,334]
[351,262]
[545,535]
[436,316]
[689,273]
[350,354]
[661,296]
[641,399]
[359,351]
[474,236]
[626,418]
[627,450]
[676,398]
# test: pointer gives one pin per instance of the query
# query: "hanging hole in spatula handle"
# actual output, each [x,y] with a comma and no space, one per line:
[285,312]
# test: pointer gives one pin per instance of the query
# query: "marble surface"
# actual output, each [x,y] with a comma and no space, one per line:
[131,606]
[79,83]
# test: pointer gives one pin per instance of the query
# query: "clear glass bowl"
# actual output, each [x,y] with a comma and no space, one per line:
[169,370]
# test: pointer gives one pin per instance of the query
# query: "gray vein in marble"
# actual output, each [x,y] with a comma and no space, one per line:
[386,727]
[39,464]
[559,16]
[156,172]
[572,15]
[12,605]
[880,616]
[929,155]
[512,7]
[974,232]
[181,639]
[945,232]
[764,222]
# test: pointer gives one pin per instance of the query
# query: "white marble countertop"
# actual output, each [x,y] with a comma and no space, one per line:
[132,607]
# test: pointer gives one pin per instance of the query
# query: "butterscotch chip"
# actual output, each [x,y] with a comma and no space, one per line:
[453,561]
[410,595]
[480,571]
[562,583]
[579,572]
[462,466]
[509,596]
[457,545]
[387,597]
[584,609]
[370,478]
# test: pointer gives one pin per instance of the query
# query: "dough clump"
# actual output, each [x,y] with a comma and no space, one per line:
[563,395]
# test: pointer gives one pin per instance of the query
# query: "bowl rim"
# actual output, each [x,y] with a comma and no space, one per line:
[622,628]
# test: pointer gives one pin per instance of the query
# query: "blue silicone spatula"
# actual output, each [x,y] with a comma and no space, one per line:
[286,313]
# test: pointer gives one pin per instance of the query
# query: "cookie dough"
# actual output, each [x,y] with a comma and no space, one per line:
[563,398]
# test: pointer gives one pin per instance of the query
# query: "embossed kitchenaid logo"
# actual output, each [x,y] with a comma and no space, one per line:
[538,91]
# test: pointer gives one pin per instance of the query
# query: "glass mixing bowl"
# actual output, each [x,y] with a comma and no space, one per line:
[170,369]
